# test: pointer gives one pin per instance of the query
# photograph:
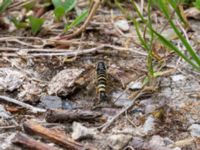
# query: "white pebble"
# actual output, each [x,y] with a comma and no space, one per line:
[122,25]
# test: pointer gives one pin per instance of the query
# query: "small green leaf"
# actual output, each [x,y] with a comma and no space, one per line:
[36,24]
[77,21]
[66,4]
[59,12]
[197,4]
[18,24]
[4,5]
[145,81]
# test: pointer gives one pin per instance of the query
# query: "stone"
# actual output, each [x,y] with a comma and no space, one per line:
[7,140]
[122,25]
[11,79]
[195,130]
[137,142]
[178,77]
[122,99]
[50,102]
[167,92]
[30,92]
[165,82]
[148,125]
[150,108]
[82,132]
[135,85]
[67,104]
[118,141]
[168,141]
[157,140]
[3,113]
[63,83]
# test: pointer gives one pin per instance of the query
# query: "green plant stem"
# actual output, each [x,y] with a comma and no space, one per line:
[137,10]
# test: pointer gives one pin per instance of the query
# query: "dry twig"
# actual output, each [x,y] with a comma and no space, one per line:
[109,122]
[72,115]
[60,139]
[14,101]
[63,52]
[29,143]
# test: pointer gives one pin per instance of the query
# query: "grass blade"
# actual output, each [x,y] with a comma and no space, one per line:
[175,49]
[4,5]
[77,21]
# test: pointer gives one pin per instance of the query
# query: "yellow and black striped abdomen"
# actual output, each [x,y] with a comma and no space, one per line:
[101,79]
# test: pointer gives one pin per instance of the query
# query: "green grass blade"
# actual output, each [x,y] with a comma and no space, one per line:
[163,5]
[175,49]
[77,21]
[150,53]
[122,10]
[146,47]
[174,5]
[138,11]
[66,4]
[186,44]
[139,34]
[4,5]
[197,4]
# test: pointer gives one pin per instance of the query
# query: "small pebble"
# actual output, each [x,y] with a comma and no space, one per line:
[135,85]
[50,102]
[122,25]
[178,77]
[3,113]
[80,132]
[195,130]
[148,125]
[157,140]
[118,141]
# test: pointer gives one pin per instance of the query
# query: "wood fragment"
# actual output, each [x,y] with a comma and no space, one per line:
[14,101]
[30,143]
[53,136]
[72,115]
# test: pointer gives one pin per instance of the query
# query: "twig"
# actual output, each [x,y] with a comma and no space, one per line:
[30,107]
[94,7]
[30,143]
[127,88]
[73,115]
[8,127]
[109,122]
[18,4]
[142,7]
[21,37]
[61,139]
[184,32]
[20,42]
[63,52]
[17,40]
